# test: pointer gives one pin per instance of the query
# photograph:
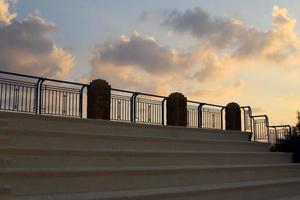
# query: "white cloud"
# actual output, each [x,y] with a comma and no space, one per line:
[139,52]
[27,46]
[141,63]
[279,44]
[5,15]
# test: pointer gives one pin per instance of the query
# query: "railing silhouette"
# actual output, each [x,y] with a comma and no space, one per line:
[262,130]
[137,107]
[204,115]
[39,95]
[32,94]
[17,95]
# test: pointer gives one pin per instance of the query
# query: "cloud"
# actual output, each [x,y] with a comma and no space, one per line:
[280,44]
[213,65]
[144,53]
[136,62]
[5,16]
[143,63]
[197,22]
[27,46]
[130,56]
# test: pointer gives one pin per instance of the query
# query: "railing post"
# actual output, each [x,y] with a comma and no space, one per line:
[222,110]
[254,130]
[176,110]
[290,130]
[267,125]
[133,107]
[200,115]
[98,96]
[233,117]
[81,101]
[163,111]
[250,117]
[37,95]
[41,96]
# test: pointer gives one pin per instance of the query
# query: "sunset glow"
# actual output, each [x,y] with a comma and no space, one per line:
[209,51]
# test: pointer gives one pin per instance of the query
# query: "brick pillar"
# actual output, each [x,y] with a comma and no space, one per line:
[233,117]
[176,110]
[98,103]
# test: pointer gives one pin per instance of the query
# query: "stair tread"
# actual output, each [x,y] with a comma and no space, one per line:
[118,136]
[166,191]
[69,170]
[294,197]
[72,151]
[16,116]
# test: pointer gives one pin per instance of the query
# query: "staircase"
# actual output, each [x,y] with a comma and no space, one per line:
[54,158]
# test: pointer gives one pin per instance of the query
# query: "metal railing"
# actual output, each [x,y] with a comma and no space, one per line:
[24,93]
[261,127]
[279,132]
[262,130]
[137,107]
[17,95]
[39,95]
[121,105]
[205,115]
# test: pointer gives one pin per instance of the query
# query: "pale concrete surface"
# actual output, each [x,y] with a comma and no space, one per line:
[64,139]
[54,158]
[67,157]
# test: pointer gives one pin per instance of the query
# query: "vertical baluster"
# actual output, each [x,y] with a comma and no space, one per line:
[1,96]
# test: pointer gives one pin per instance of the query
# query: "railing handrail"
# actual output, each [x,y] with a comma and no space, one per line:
[21,75]
[206,104]
[42,78]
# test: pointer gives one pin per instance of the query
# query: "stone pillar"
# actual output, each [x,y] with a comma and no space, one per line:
[176,110]
[98,100]
[233,117]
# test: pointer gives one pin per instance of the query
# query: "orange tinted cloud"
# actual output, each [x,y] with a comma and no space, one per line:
[5,15]
[27,46]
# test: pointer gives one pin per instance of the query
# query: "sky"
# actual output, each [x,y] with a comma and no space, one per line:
[244,51]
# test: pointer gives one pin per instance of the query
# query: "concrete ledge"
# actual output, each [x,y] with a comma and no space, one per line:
[38,139]
[259,190]
[37,158]
[13,115]
[37,181]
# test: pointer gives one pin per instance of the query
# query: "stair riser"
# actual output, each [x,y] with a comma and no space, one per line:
[4,141]
[146,132]
[125,128]
[54,160]
[26,184]
[251,193]
[64,141]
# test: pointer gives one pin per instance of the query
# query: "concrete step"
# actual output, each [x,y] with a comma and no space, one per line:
[3,122]
[54,180]
[4,141]
[258,190]
[41,122]
[37,158]
[293,197]
[80,140]
[296,197]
